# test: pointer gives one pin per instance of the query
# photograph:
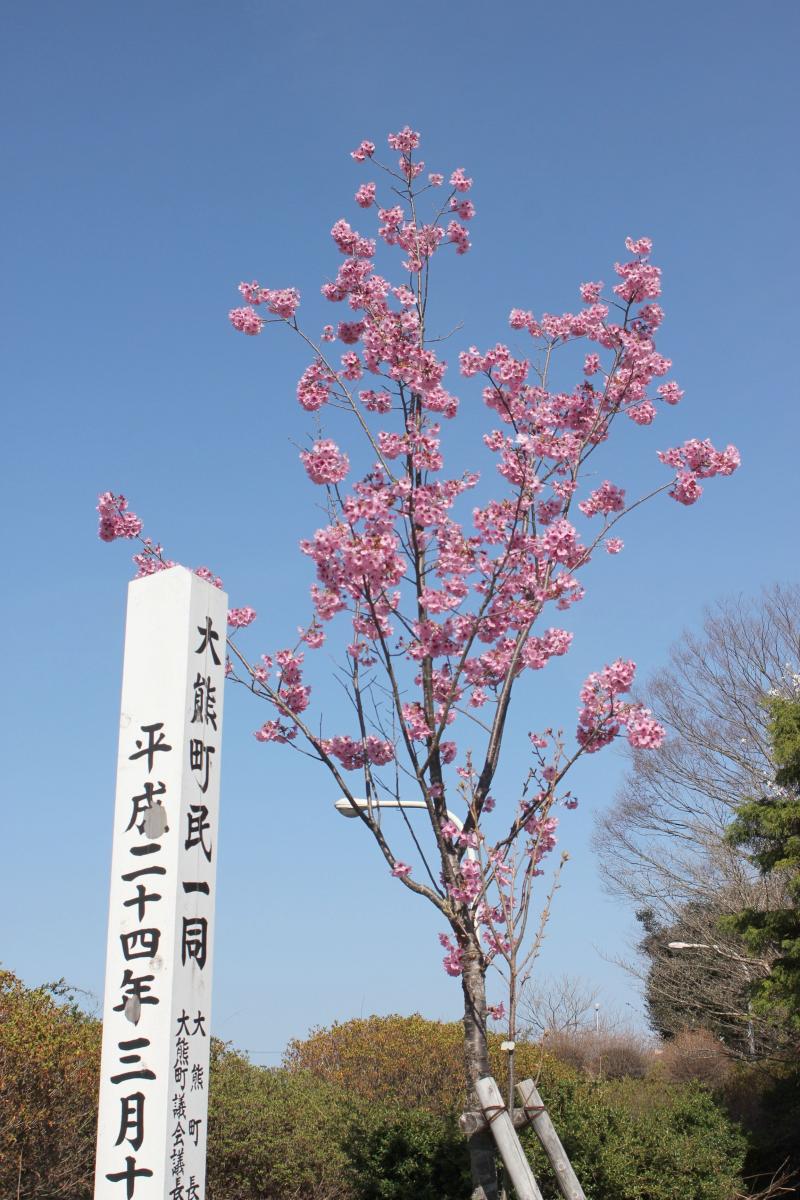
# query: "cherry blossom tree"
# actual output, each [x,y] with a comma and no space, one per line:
[441,607]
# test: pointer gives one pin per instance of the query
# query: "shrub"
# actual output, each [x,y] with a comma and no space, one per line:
[641,1140]
[695,1054]
[274,1134]
[49,1073]
[607,1055]
[291,1133]
[399,1060]
[400,1153]
[332,1126]
[406,1061]
[629,1139]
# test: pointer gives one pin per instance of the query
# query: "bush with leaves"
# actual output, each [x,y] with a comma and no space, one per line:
[629,1139]
[274,1134]
[408,1061]
[49,1071]
[633,1139]
[363,1111]
[397,1153]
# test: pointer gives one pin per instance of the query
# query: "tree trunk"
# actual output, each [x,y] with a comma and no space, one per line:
[476,1063]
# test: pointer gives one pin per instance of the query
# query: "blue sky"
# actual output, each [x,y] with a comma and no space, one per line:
[156,155]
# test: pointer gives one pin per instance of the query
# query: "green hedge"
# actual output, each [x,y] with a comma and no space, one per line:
[273,1134]
[635,1139]
[299,1133]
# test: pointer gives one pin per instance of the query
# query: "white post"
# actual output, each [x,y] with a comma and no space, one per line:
[151,1138]
[509,1145]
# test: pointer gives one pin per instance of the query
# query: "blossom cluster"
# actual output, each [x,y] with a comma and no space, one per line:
[453,959]
[325,463]
[602,714]
[115,520]
[696,460]
[240,618]
[353,755]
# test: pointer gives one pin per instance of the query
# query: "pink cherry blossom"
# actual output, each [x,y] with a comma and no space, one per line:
[459,181]
[352,367]
[670,393]
[246,320]
[696,460]
[284,303]
[253,292]
[591,292]
[379,750]
[240,618]
[606,499]
[365,196]
[115,521]
[314,387]
[452,961]
[363,151]
[644,732]
[276,731]
[464,209]
[686,489]
[313,637]
[640,279]
[459,236]
[209,576]
[406,140]
[151,560]
[643,413]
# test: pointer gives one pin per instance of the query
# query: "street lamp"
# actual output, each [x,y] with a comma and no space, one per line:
[351,808]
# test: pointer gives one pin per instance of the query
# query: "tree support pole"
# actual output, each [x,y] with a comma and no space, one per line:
[566,1178]
[502,1127]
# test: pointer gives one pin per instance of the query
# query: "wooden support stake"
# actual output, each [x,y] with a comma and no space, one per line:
[472,1122]
[543,1128]
[503,1132]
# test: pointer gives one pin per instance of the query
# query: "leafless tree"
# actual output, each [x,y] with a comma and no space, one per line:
[662,844]
[564,1014]
[564,1003]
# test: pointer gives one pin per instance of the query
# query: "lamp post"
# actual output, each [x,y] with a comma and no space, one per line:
[743,962]
[351,808]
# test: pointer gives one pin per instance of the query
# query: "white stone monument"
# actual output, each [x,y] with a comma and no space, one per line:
[151,1139]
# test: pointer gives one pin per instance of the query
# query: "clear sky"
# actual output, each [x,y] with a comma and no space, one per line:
[158,153]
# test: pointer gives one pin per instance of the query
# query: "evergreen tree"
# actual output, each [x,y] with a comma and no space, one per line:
[769,829]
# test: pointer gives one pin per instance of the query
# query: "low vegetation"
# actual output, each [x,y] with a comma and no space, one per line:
[365,1110]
